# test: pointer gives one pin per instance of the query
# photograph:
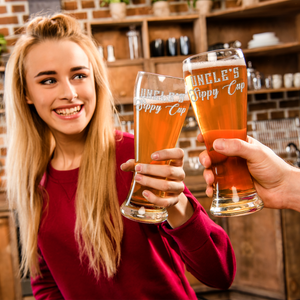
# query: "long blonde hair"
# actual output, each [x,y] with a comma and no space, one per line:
[99,227]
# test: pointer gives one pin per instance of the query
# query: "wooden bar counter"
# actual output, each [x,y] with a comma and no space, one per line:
[267,248]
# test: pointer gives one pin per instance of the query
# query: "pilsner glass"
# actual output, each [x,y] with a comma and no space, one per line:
[216,82]
[160,108]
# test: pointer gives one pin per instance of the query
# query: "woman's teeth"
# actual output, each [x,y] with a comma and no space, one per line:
[68,111]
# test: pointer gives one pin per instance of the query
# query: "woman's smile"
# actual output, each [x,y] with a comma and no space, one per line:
[61,86]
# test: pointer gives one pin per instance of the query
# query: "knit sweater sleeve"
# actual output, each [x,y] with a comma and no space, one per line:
[44,287]
[205,248]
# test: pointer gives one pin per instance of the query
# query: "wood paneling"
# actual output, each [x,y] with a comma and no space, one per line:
[10,288]
[291,234]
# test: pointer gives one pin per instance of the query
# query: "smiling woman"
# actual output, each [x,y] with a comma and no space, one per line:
[62,92]
[65,182]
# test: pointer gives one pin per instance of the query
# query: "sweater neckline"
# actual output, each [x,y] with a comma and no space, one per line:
[63,175]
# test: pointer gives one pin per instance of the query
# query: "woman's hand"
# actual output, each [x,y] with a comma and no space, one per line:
[276,182]
[178,206]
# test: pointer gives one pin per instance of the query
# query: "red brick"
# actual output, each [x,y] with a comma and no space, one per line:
[71,5]
[2,172]
[11,42]
[18,30]
[198,144]
[126,118]
[2,162]
[187,134]
[128,107]
[289,103]
[293,113]
[101,14]
[190,113]
[249,127]
[139,11]
[79,16]
[9,20]
[184,144]
[232,3]
[2,129]
[18,8]
[138,2]
[103,4]
[194,153]
[4,31]
[3,10]
[3,151]
[25,18]
[262,106]
[3,184]
[262,116]
[177,8]
[87,4]
[277,114]
[249,117]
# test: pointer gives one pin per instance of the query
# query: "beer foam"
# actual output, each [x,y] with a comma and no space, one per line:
[189,66]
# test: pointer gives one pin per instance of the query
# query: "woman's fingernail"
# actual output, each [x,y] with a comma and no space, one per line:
[145,194]
[138,168]
[121,167]
[219,144]
[154,156]
[138,177]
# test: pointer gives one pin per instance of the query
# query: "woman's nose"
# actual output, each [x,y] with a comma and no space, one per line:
[67,92]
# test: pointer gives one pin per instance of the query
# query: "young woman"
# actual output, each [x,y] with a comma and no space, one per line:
[68,172]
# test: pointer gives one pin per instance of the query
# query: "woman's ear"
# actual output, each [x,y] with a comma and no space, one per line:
[28,100]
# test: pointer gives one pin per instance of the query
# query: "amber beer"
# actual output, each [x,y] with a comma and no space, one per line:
[218,94]
[157,129]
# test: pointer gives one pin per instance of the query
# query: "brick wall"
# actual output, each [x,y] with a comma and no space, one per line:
[13,15]
[267,106]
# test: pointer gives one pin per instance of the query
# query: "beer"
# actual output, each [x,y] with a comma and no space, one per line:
[218,94]
[157,129]
[160,107]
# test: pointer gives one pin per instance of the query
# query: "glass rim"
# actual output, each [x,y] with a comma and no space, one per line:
[156,74]
[238,50]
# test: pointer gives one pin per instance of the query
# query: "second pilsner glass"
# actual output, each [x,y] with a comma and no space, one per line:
[217,86]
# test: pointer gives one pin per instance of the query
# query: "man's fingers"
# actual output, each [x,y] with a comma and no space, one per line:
[237,147]
[205,159]
[128,166]
[200,138]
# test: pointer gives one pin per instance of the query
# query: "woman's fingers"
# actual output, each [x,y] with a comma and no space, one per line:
[163,202]
[175,187]
[175,155]
[163,171]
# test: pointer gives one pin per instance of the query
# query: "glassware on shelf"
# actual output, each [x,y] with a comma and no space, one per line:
[134,43]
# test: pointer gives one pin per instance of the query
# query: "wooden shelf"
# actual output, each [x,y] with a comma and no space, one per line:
[263,91]
[261,10]
[285,48]
[125,62]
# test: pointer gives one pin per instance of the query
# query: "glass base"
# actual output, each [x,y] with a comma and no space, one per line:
[229,207]
[143,214]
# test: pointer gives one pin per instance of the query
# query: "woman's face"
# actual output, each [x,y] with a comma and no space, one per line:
[60,84]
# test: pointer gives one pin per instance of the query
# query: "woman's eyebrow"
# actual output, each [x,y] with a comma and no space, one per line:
[45,73]
[79,68]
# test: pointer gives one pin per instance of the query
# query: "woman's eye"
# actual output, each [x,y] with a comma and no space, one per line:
[80,76]
[48,81]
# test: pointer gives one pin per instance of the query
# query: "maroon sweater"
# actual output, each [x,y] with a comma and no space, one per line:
[153,256]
